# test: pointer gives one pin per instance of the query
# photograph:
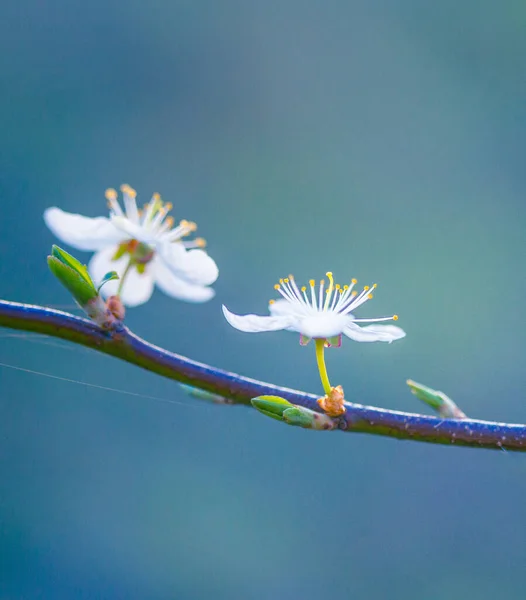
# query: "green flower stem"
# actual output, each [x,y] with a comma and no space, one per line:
[320,358]
[123,344]
[124,275]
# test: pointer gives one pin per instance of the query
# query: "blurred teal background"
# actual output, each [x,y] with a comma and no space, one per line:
[383,141]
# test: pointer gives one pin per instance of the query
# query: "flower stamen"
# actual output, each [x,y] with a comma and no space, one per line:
[130,203]
[113,204]
[295,287]
[312,284]
[329,290]
[322,284]
[197,243]
[335,300]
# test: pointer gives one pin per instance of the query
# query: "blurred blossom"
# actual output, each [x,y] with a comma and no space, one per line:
[142,246]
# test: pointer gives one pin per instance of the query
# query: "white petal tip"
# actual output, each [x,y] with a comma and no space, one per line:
[255,323]
[52,217]
[374,333]
[204,294]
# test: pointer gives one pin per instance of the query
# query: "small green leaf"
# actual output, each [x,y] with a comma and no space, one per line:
[298,417]
[437,400]
[111,276]
[271,406]
[69,260]
[204,395]
[82,290]
[431,397]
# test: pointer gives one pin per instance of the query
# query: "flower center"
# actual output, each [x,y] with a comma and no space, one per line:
[139,254]
[151,224]
[331,301]
[334,298]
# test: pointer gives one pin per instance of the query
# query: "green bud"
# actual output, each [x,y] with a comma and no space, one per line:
[437,400]
[298,416]
[204,395]
[71,261]
[73,275]
[271,406]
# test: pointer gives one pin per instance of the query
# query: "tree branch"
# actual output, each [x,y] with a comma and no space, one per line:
[124,344]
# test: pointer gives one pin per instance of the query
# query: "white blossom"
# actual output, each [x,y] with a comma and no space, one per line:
[321,313]
[142,245]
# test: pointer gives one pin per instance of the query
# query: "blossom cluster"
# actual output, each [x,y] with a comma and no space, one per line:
[146,248]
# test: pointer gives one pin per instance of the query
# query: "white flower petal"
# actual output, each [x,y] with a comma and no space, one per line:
[127,227]
[101,263]
[282,307]
[322,325]
[137,288]
[255,323]
[83,233]
[176,287]
[194,266]
[373,333]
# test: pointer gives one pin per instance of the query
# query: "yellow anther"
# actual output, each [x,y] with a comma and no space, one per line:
[304,288]
[126,189]
[328,291]
[337,286]
[322,281]
[375,285]
[345,287]
[369,296]
[395,317]
[354,281]
[312,283]
[200,242]
[168,206]
[329,274]
[276,287]
[188,225]
[341,291]
[110,194]
[169,221]
[291,276]
[281,281]
[271,301]
[365,288]
[156,196]
[286,280]
[355,293]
